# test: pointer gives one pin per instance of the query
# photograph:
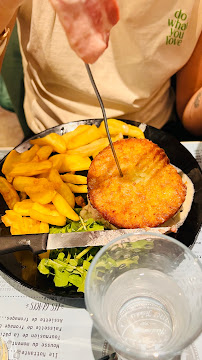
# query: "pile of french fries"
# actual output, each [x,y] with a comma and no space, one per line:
[40,184]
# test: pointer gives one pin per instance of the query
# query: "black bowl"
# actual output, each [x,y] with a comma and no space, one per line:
[22,265]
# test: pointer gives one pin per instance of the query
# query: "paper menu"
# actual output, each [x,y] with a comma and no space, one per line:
[35,326]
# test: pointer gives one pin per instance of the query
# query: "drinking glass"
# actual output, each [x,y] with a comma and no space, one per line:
[144,294]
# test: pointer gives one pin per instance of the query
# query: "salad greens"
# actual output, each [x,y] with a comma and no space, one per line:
[78,226]
[68,266]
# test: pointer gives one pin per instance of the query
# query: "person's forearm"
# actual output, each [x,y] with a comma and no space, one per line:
[192,116]
[8,9]
[189,79]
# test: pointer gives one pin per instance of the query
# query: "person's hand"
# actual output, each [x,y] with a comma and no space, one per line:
[87,25]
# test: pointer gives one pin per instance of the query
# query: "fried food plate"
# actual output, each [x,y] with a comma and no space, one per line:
[22,266]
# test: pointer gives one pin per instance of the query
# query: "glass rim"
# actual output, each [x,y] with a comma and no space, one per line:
[104,332]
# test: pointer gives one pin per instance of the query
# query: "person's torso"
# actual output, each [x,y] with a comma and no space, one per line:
[150,43]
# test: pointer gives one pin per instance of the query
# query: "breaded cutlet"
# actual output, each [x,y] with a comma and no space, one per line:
[149,193]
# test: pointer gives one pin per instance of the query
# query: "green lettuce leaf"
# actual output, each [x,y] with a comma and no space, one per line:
[77,226]
[68,266]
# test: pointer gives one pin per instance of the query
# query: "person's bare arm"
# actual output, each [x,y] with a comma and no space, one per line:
[8,11]
[189,92]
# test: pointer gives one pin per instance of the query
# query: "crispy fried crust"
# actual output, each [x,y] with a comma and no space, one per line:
[149,193]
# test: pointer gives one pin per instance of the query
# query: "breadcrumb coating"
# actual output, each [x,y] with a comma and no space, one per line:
[149,193]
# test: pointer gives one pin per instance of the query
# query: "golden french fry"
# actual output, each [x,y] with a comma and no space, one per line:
[64,208]
[95,154]
[14,158]
[48,209]
[74,179]
[55,140]
[44,175]
[62,188]
[118,126]
[115,127]
[94,147]
[44,152]
[29,155]
[43,227]
[86,137]
[8,192]
[39,196]
[9,178]
[23,207]
[43,192]
[54,178]
[15,231]
[35,158]
[135,131]
[57,161]
[65,191]
[78,188]
[29,226]
[59,220]
[11,159]
[74,163]
[11,217]
[20,225]
[30,168]
[20,182]
[81,128]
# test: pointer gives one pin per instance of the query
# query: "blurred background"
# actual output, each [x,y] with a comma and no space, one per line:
[11,133]
[13,127]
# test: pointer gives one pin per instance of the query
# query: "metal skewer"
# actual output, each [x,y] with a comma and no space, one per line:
[104,116]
